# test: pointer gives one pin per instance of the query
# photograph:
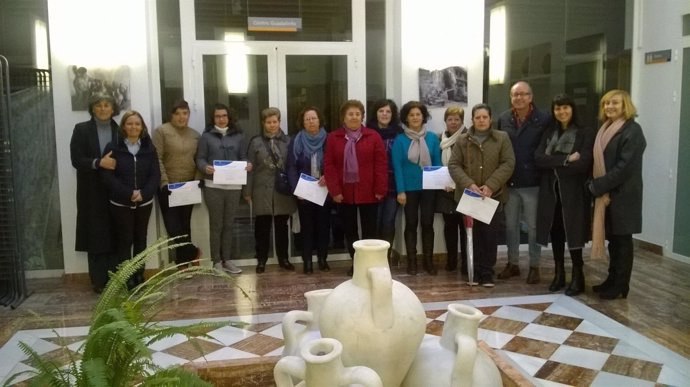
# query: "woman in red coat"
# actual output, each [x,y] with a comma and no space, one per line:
[356,171]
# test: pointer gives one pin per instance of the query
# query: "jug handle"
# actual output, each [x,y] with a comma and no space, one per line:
[463,369]
[381,284]
[361,375]
[289,323]
[287,368]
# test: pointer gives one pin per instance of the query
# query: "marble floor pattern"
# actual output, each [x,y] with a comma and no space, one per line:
[553,339]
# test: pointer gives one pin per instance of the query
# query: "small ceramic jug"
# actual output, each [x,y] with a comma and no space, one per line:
[296,335]
[380,322]
[321,366]
[454,360]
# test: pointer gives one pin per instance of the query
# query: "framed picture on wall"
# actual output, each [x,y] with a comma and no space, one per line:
[85,82]
[439,88]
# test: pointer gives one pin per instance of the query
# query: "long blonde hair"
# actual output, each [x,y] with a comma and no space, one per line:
[629,110]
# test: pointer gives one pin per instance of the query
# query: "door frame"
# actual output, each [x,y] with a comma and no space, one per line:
[276,52]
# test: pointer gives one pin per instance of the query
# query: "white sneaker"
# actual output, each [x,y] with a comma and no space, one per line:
[227,266]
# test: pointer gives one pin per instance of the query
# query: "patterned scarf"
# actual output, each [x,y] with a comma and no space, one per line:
[418,152]
[310,145]
[604,135]
[276,161]
[350,163]
[447,143]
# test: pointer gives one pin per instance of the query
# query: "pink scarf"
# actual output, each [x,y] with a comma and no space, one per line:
[350,164]
[604,135]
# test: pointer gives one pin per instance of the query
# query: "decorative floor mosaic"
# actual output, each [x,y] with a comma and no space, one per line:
[553,339]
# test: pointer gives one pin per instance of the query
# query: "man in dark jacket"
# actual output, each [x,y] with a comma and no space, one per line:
[93,233]
[525,125]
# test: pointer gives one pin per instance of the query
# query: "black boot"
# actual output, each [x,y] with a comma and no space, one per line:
[412,264]
[285,264]
[323,265]
[620,247]
[428,249]
[261,265]
[558,282]
[577,282]
[452,261]
[411,247]
[308,268]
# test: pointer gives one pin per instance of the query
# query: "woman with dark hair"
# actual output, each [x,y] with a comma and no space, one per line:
[93,233]
[132,186]
[305,155]
[355,171]
[176,145]
[413,150]
[386,122]
[222,140]
[564,207]
[268,153]
[617,187]
[483,161]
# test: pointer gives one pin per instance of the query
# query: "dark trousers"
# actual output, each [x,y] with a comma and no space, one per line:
[558,238]
[419,207]
[621,255]
[130,226]
[452,223]
[315,229]
[367,217]
[177,222]
[99,266]
[262,235]
[484,247]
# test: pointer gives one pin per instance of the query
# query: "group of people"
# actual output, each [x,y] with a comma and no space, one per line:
[543,168]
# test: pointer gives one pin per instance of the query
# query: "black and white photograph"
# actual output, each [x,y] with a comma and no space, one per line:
[439,88]
[85,82]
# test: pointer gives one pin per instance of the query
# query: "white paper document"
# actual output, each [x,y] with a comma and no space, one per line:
[308,188]
[229,172]
[436,178]
[184,193]
[477,206]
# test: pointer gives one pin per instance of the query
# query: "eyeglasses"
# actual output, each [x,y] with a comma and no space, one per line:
[520,95]
[311,118]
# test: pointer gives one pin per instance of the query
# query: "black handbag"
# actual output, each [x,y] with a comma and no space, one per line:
[281,183]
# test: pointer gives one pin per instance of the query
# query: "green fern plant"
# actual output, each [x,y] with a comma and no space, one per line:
[116,351]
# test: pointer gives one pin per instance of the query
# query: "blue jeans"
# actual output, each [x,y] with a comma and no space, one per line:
[522,204]
[385,219]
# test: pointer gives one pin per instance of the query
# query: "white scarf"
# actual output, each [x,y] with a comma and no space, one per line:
[448,142]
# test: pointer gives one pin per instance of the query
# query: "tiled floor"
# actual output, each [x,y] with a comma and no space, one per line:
[554,339]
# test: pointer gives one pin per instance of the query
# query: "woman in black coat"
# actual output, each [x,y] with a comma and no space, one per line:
[564,208]
[131,188]
[617,187]
[93,233]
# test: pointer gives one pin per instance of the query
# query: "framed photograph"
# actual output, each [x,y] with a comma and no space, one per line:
[439,88]
[85,82]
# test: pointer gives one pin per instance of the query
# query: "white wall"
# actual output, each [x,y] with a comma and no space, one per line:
[93,33]
[656,94]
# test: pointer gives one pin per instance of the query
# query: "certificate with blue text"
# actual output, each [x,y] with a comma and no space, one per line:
[477,206]
[436,178]
[229,172]
[308,188]
[184,193]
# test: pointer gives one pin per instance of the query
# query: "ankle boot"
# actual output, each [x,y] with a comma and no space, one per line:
[323,265]
[452,262]
[558,282]
[307,268]
[429,264]
[412,264]
[285,264]
[261,265]
[577,282]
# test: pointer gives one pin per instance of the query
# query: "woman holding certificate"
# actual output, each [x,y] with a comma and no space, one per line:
[267,154]
[413,150]
[131,188]
[222,141]
[305,156]
[356,173]
[176,145]
[482,161]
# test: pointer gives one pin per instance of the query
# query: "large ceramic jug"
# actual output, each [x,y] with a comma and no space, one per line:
[296,335]
[321,366]
[380,322]
[454,360]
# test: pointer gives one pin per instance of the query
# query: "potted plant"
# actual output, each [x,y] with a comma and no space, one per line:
[116,351]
